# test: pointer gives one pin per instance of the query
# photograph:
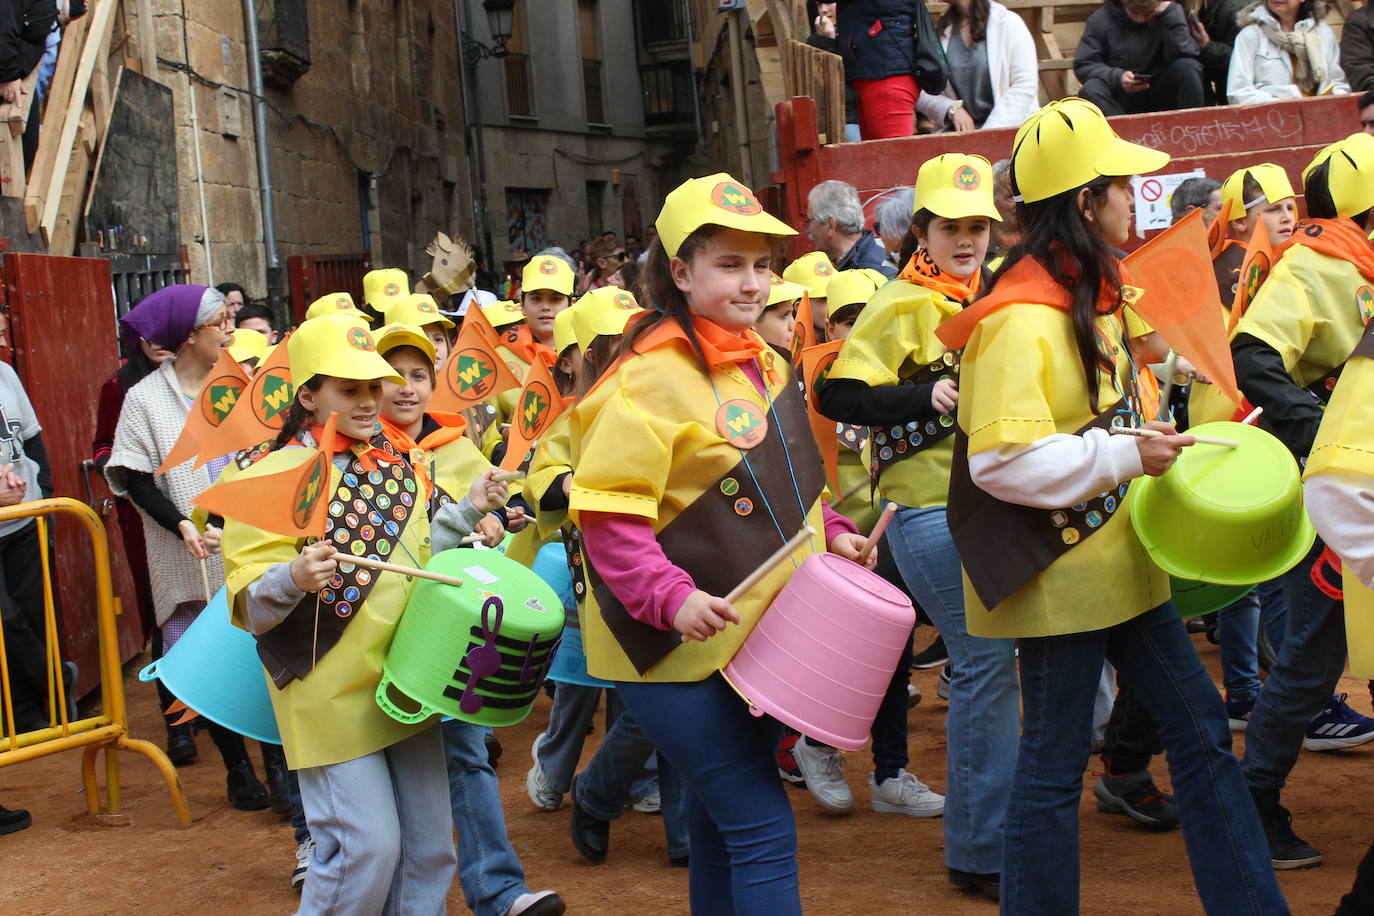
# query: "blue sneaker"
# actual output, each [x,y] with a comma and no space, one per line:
[1238,712]
[1338,726]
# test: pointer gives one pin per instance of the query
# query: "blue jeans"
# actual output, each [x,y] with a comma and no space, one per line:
[1300,683]
[299,827]
[488,868]
[1222,833]
[744,840]
[984,701]
[607,786]
[383,834]
[574,707]
[1237,630]
[1273,614]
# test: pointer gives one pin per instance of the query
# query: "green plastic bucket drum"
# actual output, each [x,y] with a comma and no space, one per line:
[1223,516]
[1194,599]
[478,652]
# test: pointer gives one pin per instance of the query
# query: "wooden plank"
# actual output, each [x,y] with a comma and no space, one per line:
[59,92]
[16,115]
[62,235]
[147,38]
[100,84]
[12,178]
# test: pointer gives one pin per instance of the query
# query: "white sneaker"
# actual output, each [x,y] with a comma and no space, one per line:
[649,804]
[305,854]
[542,903]
[822,769]
[537,785]
[905,794]
[913,696]
[942,685]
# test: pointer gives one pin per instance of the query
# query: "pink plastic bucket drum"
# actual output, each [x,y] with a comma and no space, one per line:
[822,655]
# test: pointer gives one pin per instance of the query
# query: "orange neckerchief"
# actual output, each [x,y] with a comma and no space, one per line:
[451,427]
[1026,281]
[1339,238]
[367,454]
[520,341]
[923,271]
[720,347]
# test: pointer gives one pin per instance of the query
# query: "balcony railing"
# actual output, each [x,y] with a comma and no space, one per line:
[519,95]
[591,84]
[668,92]
[662,21]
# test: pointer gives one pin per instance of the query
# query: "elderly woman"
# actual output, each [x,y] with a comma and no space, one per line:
[193,323]
[1284,51]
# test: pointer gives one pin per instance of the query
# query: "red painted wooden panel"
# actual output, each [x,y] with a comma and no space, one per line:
[312,276]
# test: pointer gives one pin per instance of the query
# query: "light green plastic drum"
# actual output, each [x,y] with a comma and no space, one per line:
[1228,516]
[1194,599]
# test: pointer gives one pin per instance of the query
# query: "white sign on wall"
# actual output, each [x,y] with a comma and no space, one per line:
[1152,196]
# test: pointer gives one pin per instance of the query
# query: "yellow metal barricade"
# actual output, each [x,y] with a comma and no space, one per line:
[109,730]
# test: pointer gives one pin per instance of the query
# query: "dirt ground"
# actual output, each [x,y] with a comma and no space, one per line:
[236,862]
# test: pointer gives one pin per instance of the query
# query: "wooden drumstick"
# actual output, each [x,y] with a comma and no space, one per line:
[850,493]
[783,552]
[205,579]
[1154,434]
[872,543]
[396,567]
[1252,416]
[508,475]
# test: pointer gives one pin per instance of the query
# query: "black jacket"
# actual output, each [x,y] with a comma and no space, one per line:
[24,28]
[876,38]
[1357,49]
[1113,43]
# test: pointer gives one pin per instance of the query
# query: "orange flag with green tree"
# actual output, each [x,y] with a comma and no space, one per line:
[260,411]
[537,407]
[815,363]
[212,406]
[472,372]
[804,330]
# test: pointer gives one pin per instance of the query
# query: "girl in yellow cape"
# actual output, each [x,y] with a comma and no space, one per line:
[895,375]
[694,461]
[1037,512]
[375,791]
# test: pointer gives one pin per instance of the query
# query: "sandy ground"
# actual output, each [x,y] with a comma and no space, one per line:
[228,861]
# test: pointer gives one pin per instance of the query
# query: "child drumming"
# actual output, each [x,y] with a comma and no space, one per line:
[698,440]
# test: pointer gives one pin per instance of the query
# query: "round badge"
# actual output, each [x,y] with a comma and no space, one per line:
[849,435]
[1330,384]
[336,508]
[547,266]
[578,589]
[736,198]
[1080,507]
[946,420]
[744,506]
[741,423]
[896,432]
[393,487]
[966,178]
[392,529]
[350,479]
[406,499]
[399,513]
[374,477]
[367,490]
[351,520]
[901,446]
[916,439]
[384,547]
[383,501]
[343,609]
[912,426]
[1070,536]
[410,485]
[932,428]
[1109,504]
[347,567]
[426,306]
[343,302]
[351,593]
[364,576]
[359,339]
[885,454]
[327,595]
[949,359]
[374,517]
[880,439]
[366,532]
[1093,518]
[360,506]
[1058,519]
[1121,490]
[357,548]
[625,301]
[341,536]
[729,486]
[823,269]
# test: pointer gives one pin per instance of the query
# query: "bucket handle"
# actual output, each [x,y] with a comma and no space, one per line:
[391,709]
[149,673]
[1329,560]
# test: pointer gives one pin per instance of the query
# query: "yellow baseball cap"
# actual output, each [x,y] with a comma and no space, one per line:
[397,334]
[336,345]
[812,270]
[955,185]
[1350,175]
[384,287]
[247,344]
[1069,143]
[1273,183]
[546,271]
[855,287]
[716,200]
[601,312]
[417,309]
[503,312]
[334,304]
[780,290]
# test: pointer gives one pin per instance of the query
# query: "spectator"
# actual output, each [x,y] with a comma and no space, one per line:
[1196,192]
[994,75]
[823,37]
[606,255]
[1138,55]
[633,246]
[256,317]
[1367,111]
[24,28]
[651,236]
[1213,26]
[1006,234]
[1357,49]
[875,38]
[835,223]
[894,222]
[1284,51]
[234,298]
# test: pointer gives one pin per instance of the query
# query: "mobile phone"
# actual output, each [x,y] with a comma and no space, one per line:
[1194,21]
[1143,77]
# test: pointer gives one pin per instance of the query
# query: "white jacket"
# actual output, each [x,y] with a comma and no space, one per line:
[1261,72]
[1013,69]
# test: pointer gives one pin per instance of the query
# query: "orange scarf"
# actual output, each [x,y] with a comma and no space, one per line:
[368,455]
[1339,238]
[451,427]
[923,271]
[520,341]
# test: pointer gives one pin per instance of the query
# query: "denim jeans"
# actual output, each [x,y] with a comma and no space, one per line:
[743,836]
[984,702]
[1131,738]
[488,868]
[607,786]
[299,827]
[1237,630]
[1273,613]
[890,726]
[383,833]
[1300,683]
[1222,832]
[574,706]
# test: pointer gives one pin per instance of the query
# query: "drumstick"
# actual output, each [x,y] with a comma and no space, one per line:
[1154,433]
[883,521]
[508,475]
[850,493]
[1252,416]
[396,567]
[471,538]
[783,552]
[205,579]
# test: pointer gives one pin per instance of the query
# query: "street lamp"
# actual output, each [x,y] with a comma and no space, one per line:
[501,22]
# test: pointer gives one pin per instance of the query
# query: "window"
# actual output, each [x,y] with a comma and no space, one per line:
[284,42]
[661,21]
[591,62]
[516,67]
[525,219]
[596,219]
[668,91]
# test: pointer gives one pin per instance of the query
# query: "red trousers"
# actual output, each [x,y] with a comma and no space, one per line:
[887,107]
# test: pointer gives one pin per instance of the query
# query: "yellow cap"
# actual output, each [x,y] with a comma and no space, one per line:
[1272,180]
[1350,175]
[334,304]
[247,344]
[503,312]
[601,312]
[384,287]
[397,334]
[1069,143]
[854,287]
[955,185]
[548,272]
[812,270]
[563,334]
[716,200]
[417,309]
[780,290]
[335,345]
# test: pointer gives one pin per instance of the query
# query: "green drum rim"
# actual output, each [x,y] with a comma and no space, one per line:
[1195,598]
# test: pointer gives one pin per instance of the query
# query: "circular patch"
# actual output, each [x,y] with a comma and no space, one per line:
[383,501]
[471,372]
[327,595]
[547,266]
[946,420]
[336,508]
[1080,507]
[729,486]
[374,517]
[1070,536]
[343,302]
[374,477]
[849,435]
[343,609]
[1058,519]
[1121,490]
[1093,518]
[901,446]
[336,581]
[351,593]
[896,432]
[351,520]
[384,547]
[625,301]
[366,532]
[341,536]
[966,178]
[346,566]
[916,440]
[741,423]
[359,339]
[578,589]
[1109,503]
[424,305]
[406,499]
[350,479]
[912,425]
[357,548]
[932,428]
[1331,384]
[360,506]
[744,506]
[367,490]
[735,198]
[364,576]
[399,513]
[410,485]
[885,454]
[392,529]
[949,359]
[823,269]
[880,439]
[392,487]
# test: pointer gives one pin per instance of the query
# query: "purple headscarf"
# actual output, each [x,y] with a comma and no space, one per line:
[167,317]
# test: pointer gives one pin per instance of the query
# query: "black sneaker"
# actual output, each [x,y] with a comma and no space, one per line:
[932,656]
[13,820]
[245,792]
[1286,849]
[967,881]
[1136,796]
[181,746]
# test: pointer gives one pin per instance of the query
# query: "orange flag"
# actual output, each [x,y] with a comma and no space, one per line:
[537,407]
[1254,269]
[476,319]
[804,331]
[214,403]
[816,362]
[260,412]
[289,503]
[1216,233]
[472,372]
[1181,301]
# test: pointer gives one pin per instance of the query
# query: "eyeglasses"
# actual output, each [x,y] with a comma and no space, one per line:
[224,322]
[620,254]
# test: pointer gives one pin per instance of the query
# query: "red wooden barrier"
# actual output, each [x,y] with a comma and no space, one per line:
[312,276]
